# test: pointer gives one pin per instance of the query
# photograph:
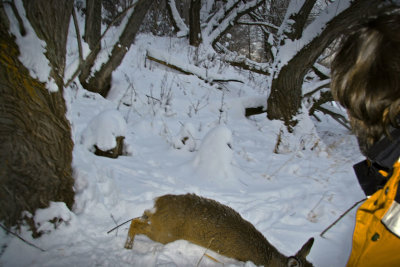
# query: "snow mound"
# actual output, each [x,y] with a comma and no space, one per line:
[52,217]
[103,129]
[213,160]
[215,152]
[303,137]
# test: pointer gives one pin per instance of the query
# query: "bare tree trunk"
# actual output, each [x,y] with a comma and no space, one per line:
[301,19]
[3,17]
[272,12]
[100,82]
[93,24]
[176,19]
[194,23]
[35,139]
[285,98]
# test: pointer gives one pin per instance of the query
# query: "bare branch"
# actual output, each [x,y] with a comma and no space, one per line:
[337,117]
[155,56]
[78,36]
[93,54]
[321,71]
[242,62]
[300,19]
[116,19]
[318,86]
[177,20]
[19,237]
[258,23]
[317,106]
[341,216]
[116,227]
[223,20]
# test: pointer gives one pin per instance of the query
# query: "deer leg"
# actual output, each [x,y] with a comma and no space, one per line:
[138,226]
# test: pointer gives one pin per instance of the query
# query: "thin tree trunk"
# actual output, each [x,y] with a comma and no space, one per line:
[194,23]
[35,139]
[93,24]
[100,82]
[285,98]
[301,19]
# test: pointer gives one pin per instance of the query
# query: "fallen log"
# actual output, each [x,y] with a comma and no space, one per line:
[188,69]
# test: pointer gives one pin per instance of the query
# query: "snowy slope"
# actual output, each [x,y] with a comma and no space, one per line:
[289,196]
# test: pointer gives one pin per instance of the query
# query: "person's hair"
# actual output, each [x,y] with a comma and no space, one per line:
[366,76]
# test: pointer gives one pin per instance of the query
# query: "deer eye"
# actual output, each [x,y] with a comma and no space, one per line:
[293,262]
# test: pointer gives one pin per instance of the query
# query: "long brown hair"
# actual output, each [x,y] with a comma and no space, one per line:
[366,77]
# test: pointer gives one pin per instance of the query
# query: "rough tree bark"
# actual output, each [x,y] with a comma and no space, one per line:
[50,20]
[35,139]
[285,98]
[194,23]
[93,24]
[100,81]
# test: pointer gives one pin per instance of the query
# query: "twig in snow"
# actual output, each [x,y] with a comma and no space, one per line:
[153,98]
[221,109]
[118,226]
[23,240]
[208,256]
[340,217]
[337,117]
[115,221]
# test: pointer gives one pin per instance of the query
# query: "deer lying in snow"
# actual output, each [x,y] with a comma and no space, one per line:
[212,225]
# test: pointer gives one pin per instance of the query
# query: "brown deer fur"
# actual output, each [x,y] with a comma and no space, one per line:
[212,225]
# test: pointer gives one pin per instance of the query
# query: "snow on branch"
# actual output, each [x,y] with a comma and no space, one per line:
[206,8]
[183,29]
[315,87]
[177,64]
[259,23]
[226,17]
[291,48]
[242,61]
[218,16]
[322,71]
[292,9]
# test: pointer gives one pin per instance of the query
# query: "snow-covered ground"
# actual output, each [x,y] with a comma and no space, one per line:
[289,196]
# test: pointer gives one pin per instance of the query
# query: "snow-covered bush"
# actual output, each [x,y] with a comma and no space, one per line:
[105,133]
[185,138]
[50,218]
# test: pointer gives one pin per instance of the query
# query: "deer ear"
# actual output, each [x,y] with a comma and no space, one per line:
[305,250]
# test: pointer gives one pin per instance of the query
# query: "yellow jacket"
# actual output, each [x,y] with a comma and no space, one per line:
[376,238]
